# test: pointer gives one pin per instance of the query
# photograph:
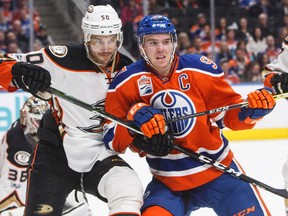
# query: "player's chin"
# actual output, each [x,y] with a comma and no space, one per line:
[105,59]
[161,62]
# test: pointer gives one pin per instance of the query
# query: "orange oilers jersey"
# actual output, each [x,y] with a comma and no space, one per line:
[196,84]
[74,74]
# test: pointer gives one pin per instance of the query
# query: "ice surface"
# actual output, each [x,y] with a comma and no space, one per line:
[261,160]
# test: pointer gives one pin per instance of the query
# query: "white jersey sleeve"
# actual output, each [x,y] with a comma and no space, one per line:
[40,58]
[72,73]
[280,63]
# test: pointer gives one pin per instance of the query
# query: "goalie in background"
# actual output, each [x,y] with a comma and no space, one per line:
[16,147]
[275,76]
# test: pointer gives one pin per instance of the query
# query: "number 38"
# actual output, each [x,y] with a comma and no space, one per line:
[20,175]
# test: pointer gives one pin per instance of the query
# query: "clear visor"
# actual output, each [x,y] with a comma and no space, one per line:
[103,42]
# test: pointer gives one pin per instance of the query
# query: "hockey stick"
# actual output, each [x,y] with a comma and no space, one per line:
[231,171]
[221,109]
[203,159]
[93,108]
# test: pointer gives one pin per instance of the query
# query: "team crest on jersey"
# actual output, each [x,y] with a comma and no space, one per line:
[92,129]
[22,158]
[97,127]
[43,209]
[145,85]
[59,51]
[174,104]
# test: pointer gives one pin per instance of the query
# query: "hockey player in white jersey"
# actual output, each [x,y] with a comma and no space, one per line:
[16,147]
[71,153]
[276,76]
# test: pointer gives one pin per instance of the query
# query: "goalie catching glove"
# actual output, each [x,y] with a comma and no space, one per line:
[148,119]
[30,78]
[260,103]
[157,145]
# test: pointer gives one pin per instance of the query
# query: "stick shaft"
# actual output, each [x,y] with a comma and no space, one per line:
[221,109]
[232,172]
[99,111]
[197,156]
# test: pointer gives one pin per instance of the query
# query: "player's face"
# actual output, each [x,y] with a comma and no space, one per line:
[102,48]
[159,49]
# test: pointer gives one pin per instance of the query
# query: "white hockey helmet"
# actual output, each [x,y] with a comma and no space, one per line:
[31,114]
[101,20]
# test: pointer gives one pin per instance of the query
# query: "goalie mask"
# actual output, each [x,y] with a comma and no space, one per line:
[101,20]
[155,24]
[30,116]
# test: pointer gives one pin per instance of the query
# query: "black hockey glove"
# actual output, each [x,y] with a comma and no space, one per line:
[30,78]
[280,83]
[157,145]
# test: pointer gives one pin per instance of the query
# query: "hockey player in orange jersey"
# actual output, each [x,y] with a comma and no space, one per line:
[162,86]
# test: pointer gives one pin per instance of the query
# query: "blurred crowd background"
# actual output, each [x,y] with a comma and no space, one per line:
[242,38]
[15,27]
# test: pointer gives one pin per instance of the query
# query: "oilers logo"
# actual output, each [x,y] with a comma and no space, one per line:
[174,104]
